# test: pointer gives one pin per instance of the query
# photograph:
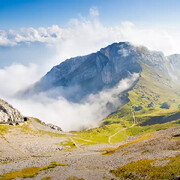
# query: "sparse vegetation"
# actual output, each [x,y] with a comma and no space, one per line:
[74,178]
[4,129]
[142,138]
[146,169]
[47,178]
[29,172]
[68,143]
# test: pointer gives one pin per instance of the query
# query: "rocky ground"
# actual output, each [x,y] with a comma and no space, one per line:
[36,145]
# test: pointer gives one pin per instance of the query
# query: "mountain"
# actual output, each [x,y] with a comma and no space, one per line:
[8,114]
[78,77]
[174,69]
[174,60]
[156,90]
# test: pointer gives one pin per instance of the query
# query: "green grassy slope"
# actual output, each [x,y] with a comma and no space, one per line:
[153,88]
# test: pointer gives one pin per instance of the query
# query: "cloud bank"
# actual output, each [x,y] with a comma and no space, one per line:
[17,77]
[75,116]
[90,34]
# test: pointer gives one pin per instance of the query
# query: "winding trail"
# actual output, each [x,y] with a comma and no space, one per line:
[134,117]
[134,120]
[86,140]
[109,139]
[74,142]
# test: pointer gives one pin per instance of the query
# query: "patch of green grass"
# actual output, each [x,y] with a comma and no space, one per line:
[144,169]
[4,128]
[42,132]
[29,172]
[26,128]
[68,143]
[142,138]
[121,136]
[47,178]
[74,178]
[84,142]
[101,134]
[138,130]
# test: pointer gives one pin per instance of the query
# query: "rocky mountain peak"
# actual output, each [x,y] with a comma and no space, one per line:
[77,77]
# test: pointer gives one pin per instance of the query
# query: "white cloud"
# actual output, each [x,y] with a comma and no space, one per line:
[74,116]
[4,40]
[67,115]
[17,77]
[94,11]
[85,35]
[46,35]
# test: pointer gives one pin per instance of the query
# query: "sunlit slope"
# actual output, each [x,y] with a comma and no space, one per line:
[145,111]
[152,90]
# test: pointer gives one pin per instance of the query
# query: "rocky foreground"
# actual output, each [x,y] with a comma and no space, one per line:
[8,114]
[35,151]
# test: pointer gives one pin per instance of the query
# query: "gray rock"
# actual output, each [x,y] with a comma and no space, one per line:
[138,108]
[176,178]
[150,105]
[165,105]
[174,66]
[8,114]
[54,127]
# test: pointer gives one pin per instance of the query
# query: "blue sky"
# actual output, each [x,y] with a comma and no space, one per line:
[36,13]
[38,31]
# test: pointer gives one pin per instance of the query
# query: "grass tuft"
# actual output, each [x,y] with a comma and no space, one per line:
[144,169]
[29,172]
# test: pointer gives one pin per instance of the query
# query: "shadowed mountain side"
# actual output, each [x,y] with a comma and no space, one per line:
[78,77]
[161,119]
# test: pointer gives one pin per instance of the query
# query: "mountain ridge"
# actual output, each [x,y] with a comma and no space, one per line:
[94,72]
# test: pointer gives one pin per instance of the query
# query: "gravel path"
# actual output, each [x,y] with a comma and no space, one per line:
[134,120]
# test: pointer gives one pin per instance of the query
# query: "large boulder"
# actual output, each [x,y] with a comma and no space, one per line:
[150,105]
[138,108]
[9,114]
[52,126]
[165,105]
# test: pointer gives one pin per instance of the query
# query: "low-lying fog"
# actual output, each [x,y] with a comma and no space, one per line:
[59,111]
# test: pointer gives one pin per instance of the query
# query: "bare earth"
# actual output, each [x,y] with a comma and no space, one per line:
[19,150]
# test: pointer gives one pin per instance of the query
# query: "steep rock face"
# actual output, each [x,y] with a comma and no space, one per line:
[174,65]
[175,60]
[8,113]
[77,77]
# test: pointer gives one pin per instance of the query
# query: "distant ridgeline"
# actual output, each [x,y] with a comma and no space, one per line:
[80,76]
[10,115]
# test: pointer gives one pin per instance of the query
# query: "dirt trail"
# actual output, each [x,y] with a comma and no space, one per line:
[74,142]
[134,123]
